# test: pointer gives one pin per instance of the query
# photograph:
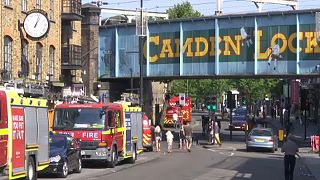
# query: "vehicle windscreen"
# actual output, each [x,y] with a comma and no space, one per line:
[79,118]
[57,142]
[260,132]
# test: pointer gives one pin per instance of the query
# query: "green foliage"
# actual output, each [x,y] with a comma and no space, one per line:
[201,89]
[183,10]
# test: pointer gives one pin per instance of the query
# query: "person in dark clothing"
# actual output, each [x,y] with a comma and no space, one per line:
[290,149]
[188,134]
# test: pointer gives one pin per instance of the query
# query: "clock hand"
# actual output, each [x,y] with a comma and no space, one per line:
[37,21]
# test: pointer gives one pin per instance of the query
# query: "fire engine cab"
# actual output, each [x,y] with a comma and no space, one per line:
[183,111]
[108,132]
[24,135]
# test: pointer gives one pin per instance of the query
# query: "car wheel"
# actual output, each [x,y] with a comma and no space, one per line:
[79,166]
[114,158]
[65,170]
[31,169]
[134,155]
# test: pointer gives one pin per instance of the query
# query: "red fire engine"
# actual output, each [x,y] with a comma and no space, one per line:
[183,111]
[24,135]
[108,132]
[147,134]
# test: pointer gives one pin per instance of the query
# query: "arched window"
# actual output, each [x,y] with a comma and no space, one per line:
[24,59]
[52,52]
[38,72]
[7,73]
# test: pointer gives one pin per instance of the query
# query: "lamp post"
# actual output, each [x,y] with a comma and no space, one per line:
[141,57]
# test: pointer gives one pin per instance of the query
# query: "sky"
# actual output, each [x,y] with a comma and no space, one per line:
[206,7]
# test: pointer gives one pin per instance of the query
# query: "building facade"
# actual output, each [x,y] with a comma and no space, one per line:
[45,64]
[22,58]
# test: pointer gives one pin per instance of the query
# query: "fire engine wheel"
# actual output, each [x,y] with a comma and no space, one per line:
[31,169]
[134,155]
[65,170]
[114,158]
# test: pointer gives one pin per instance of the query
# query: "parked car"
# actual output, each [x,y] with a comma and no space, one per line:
[65,155]
[239,119]
[261,137]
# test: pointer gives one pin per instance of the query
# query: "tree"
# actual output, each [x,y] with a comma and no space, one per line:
[199,90]
[183,10]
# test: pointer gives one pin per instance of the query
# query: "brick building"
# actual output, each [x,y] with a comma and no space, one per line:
[48,63]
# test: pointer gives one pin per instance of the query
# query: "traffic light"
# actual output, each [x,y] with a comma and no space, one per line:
[231,102]
[212,103]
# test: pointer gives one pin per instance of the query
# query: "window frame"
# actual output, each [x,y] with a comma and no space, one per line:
[24,6]
[51,10]
[52,53]
[8,3]
[38,63]
[38,4]
[7,58]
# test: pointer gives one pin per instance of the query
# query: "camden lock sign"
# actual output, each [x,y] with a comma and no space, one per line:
[275,44]
[235,44]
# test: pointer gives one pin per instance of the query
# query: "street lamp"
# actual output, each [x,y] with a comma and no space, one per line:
[141,57]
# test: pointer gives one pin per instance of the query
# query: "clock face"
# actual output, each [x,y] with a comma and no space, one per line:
[36,25]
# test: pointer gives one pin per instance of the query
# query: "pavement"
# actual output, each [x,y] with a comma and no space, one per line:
[309,159]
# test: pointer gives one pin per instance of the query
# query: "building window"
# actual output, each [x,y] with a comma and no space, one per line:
[7,2]
[7,58]
[38,61]
[51,62]
[51,11]
[38,4]
[24,5]
[24,59]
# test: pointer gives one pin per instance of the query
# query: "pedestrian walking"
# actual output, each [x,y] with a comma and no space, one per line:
[182,138]
[188,133]
[175,119]
[290,149]
[158,136]
[169,140]
[217,133]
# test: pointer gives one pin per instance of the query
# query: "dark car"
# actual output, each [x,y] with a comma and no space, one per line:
[65,155]
[239,119]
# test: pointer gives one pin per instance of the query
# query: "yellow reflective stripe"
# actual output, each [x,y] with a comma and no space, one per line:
[4,131]
[32,146]
[18,175]
[106,132]
[43,165]
[120,129]
[139,151]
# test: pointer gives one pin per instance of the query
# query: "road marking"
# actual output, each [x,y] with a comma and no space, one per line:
[222,153]
[224,174]
[244,175]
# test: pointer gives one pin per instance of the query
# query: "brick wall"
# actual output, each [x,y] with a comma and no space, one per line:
[9,26]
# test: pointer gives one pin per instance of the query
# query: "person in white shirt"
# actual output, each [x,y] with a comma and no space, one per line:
[169,141]
[175,119]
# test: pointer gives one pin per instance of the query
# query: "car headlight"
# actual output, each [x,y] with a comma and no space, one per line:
[55,158]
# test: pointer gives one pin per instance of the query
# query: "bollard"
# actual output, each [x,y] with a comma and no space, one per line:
[281,134]
[316,143]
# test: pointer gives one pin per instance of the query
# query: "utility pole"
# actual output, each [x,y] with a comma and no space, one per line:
[141,56]
[219,7]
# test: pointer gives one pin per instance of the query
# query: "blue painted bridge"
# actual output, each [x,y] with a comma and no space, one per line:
[271,44]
